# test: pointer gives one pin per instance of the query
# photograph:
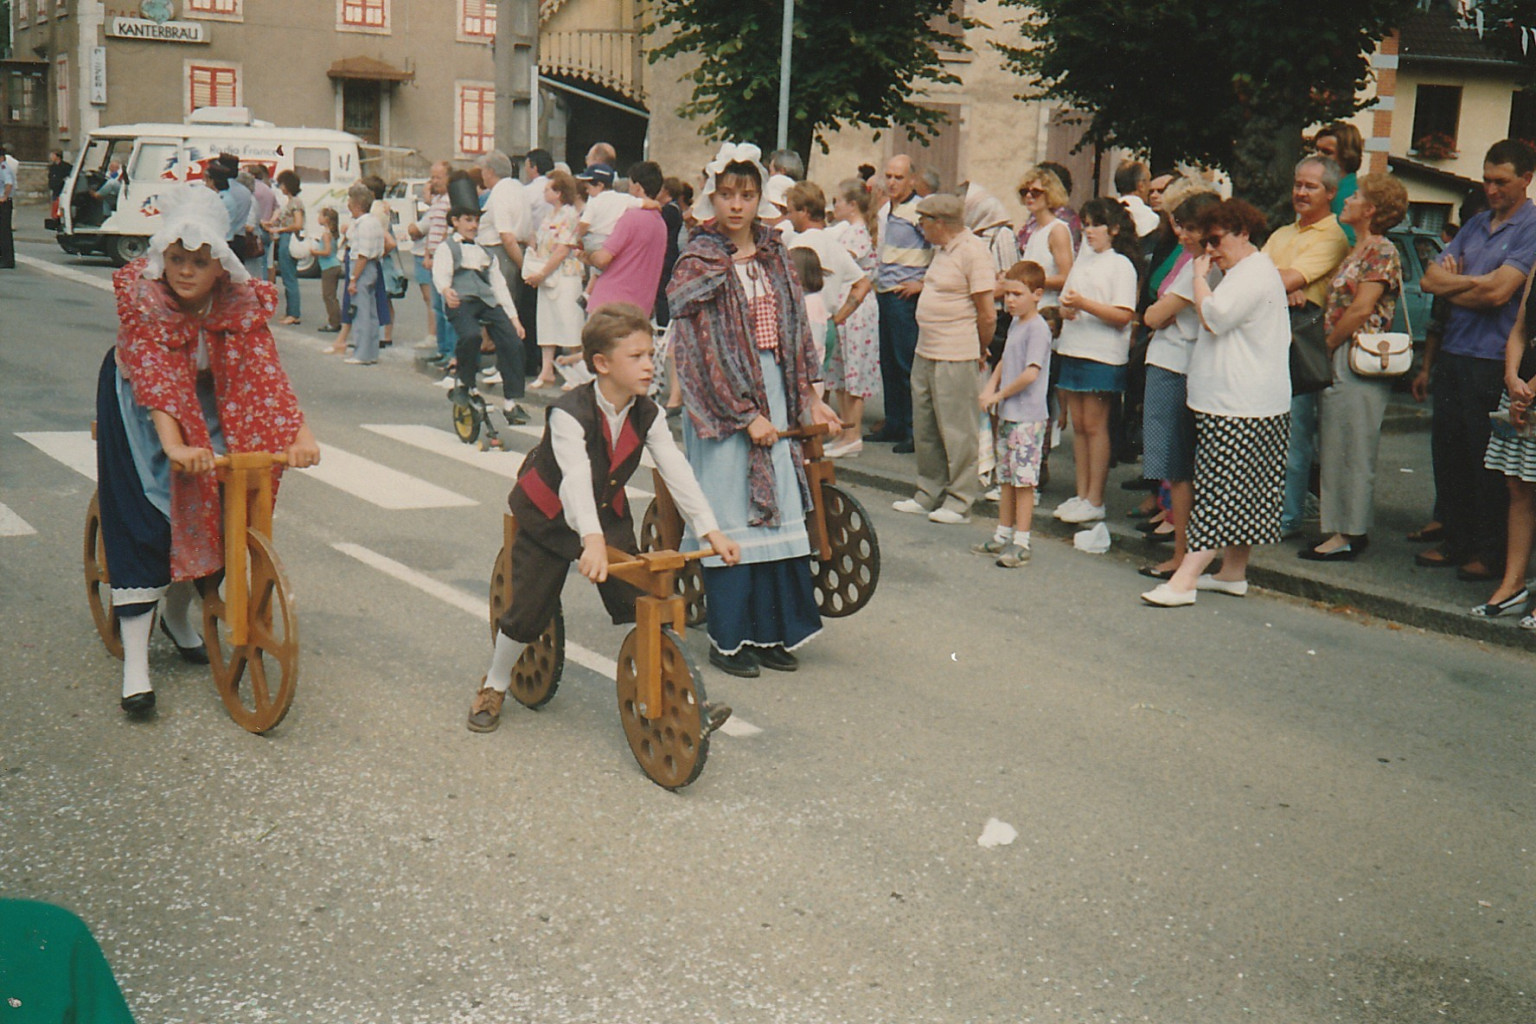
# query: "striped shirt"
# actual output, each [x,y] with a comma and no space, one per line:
[904,252]
[433,226]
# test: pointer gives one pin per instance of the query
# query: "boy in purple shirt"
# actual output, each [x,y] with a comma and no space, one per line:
[1016,394]
[631,258]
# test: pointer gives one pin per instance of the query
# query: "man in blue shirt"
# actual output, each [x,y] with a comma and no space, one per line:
[7,205]
[1482,274]
[904,255]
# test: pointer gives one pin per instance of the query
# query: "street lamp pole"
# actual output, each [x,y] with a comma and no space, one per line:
[516,55]
[786,44]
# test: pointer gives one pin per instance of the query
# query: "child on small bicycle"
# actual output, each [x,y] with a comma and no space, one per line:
[194,373]
[569,498]
[475,296]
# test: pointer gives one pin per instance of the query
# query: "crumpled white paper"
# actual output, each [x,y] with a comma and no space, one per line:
[996,833]
[1095,540]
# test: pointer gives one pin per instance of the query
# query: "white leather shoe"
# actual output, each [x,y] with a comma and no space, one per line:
[1083,513]
[909,505]
[1070,505]
[1164,596]
[948,516]
[1234,588]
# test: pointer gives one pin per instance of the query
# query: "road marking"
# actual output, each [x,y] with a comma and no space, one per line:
[378,484]
[75,448]
[79,277]
[12,525]
[477,607]
[447,444]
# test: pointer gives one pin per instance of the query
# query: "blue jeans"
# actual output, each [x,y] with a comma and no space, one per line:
[1298,461]
[447,338]
[288,267]
[898,342]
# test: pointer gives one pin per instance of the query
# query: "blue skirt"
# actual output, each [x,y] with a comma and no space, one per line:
[1167,427]
[1078,374]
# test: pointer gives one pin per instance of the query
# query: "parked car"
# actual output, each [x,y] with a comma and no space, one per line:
[1417,248]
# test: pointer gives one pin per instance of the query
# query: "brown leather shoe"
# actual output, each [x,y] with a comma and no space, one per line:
[485,712]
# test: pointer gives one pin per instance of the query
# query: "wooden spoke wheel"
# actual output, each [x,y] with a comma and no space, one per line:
[536,676]
[98,586]
[672,747]
[690,579]
[846,582]
[466,422]
[256,679]
[501,587]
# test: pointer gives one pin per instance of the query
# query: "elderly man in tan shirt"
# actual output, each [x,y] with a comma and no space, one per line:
[955,320]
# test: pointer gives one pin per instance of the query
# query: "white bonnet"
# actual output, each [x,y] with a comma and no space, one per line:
[730,153]
[193,215]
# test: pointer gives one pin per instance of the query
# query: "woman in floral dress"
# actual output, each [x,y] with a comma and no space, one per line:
[853,369]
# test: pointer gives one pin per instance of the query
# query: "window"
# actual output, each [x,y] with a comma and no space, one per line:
[1522,115]
[1436,118]
[212,84]
[362,15]
[42,11]
[23,12]
[61,71]
[312,164]
[214,10]
[476,118]
[477,20]
[153,161]
[26,98]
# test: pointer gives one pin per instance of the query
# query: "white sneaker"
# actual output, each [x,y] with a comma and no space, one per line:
[428,345]
[1234,588]
[448,382]
[995,494]
[1164,596]
[1060,511]
[909,505]
[948,517]
[1083,513]
[492,377]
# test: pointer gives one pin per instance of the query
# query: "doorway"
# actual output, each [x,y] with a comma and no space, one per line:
[361,103]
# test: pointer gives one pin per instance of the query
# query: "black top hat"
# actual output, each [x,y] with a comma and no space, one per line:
[462,198]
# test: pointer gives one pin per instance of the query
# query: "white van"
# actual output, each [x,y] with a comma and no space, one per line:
[151,155]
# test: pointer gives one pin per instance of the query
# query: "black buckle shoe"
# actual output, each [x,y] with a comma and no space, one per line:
[777,658]
[743,664]
[140,705]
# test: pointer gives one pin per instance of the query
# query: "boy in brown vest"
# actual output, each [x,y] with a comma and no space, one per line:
[569,497]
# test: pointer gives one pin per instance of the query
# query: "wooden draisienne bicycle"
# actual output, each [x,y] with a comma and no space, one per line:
[250,615]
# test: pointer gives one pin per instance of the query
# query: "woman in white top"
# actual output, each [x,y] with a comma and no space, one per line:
[553,268]
[1240,390]
[1168,427]
[1098,304]
[1050,244]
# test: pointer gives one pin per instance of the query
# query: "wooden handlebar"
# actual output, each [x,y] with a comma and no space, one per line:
[249,460]
[659,561]
[806,432]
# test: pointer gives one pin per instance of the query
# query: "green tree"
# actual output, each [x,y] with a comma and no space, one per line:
[853,64]
[1230,85]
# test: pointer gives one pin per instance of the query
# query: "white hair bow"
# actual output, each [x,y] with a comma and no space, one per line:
[730,153]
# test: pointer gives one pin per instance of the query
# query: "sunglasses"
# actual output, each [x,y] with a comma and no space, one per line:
[1213,241]
[1031,193]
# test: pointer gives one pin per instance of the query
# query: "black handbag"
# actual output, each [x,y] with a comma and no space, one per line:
[1311,362]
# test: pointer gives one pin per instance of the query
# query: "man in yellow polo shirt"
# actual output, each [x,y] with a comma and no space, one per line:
[1306,253]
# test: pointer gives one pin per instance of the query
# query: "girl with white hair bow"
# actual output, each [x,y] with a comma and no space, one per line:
[194,372]
[745,362]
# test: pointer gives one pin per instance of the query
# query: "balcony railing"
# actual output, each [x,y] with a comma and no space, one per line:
[611,58]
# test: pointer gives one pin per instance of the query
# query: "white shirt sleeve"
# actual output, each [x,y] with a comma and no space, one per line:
[570,447]
[442,268]
[679,478]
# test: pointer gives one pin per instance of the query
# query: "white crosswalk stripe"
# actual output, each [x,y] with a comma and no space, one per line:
[12,525]
[75,448]
[446,443]
[379,485]
[476,606]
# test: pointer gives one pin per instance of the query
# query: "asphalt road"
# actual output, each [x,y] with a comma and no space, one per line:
[1249,810]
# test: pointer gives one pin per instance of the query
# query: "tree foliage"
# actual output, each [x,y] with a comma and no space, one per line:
[853,64]
[1230,85]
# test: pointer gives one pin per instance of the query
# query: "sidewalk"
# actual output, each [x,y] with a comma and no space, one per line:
[1383,583]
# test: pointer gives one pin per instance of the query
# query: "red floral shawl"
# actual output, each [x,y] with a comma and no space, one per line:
[157,354]
[717,357]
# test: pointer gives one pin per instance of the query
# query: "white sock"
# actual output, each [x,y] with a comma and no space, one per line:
[1021,538]
[135,632]
[1002,534]
[177,610]
[507,651]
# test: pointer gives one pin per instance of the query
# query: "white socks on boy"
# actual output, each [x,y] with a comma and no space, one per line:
[499,678]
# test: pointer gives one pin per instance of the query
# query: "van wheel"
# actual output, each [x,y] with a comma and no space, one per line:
[127,248]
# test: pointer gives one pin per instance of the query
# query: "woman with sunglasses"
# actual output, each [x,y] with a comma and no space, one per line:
[1240,391]
[1050,244]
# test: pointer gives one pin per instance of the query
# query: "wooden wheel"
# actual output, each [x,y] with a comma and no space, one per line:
[670,748]
[501,587]
[256,679]
[690,579]
[98,585]
[846,582]
[466,422]
[536,676]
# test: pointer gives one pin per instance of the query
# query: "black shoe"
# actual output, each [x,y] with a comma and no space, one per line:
[742,664]
[904,447]
[777,658]
[517,417]
[196,655]
[140,705]
[328,329]
[885,435]
[1152,572]
[715,716]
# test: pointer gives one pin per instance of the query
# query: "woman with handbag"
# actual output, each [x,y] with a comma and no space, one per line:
[287,227]
[1366,359]
[1512,451]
